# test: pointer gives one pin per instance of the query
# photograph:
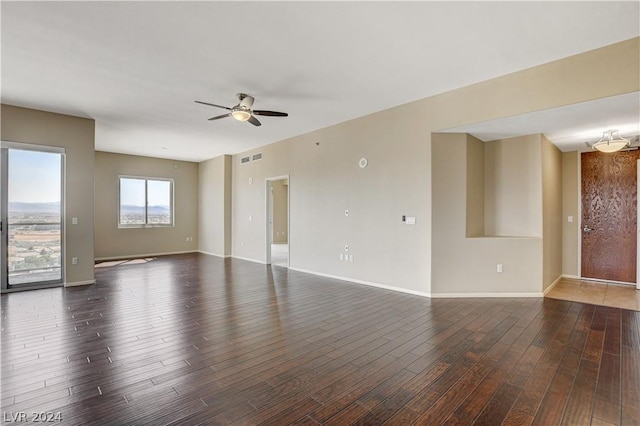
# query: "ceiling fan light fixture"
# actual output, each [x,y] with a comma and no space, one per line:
[241,114]
[610,141]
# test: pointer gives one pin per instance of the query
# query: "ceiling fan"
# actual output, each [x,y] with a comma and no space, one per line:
[243,111]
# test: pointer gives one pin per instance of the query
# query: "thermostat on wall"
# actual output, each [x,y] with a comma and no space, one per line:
[363,163]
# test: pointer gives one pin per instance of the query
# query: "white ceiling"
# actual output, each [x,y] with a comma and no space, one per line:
[137,67]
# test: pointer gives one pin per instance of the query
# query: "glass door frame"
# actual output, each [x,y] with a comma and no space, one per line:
[5,146]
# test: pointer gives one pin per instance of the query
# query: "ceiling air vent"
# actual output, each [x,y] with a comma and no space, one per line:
[245,160]
[257,156]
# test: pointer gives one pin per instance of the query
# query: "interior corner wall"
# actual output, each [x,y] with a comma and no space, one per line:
[228,162]
[76,135]
[112,242]
[401,175]
[551,213]
[214,206]
[475,187]
[513,187]
[571,207]
[468,266]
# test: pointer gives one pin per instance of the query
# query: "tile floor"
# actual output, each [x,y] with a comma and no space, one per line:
[596,293]
[280,255]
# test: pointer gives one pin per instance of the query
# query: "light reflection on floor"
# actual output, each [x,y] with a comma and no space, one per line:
[123,262]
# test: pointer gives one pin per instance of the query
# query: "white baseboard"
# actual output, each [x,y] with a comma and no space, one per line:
[249,260]
[214,254]
[139,256]
[479,295]
[573,277]
[369,283]
[419,293]
[79,283]
[553,284]
[597,280]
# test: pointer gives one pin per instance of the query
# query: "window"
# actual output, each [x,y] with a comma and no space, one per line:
[145,202]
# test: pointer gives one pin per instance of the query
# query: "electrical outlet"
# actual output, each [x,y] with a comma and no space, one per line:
[74,260]
[341,256]
[499,267]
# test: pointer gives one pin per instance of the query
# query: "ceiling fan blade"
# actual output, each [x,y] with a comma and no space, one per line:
[214,105]
[219,116]
[254,121]
[270,113]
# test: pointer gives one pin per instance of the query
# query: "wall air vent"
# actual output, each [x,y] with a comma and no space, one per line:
[257,156]
[245,160]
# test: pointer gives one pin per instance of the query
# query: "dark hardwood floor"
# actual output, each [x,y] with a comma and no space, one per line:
[194,339]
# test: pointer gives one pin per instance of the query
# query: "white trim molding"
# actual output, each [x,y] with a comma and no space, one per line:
[250,260]
[483,295]
[214,254]
[79,283]
[356,281]
[553,284]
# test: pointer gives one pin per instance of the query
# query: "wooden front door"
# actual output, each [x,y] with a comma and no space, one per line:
[609,215]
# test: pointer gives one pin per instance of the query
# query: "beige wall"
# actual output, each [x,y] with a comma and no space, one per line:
[112,242]
[513,187]
[475,187]
[468,266]
[76,136]
[325,180]
[571,207]
[551,213]
[280,207]
[214,206]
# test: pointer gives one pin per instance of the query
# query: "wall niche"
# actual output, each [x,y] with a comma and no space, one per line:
[504,187]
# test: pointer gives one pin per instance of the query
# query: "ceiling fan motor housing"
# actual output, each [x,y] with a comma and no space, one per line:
[245,100]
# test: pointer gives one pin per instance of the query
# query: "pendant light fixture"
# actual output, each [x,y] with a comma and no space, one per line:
[610,141]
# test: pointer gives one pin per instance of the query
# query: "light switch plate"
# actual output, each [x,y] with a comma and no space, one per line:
[410,220]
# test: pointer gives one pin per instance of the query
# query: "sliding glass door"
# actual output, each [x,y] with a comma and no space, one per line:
[32,212]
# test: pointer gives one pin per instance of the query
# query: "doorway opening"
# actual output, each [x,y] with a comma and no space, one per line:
[277,232]
[31,189]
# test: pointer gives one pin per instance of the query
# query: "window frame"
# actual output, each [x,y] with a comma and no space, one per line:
[146,223]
